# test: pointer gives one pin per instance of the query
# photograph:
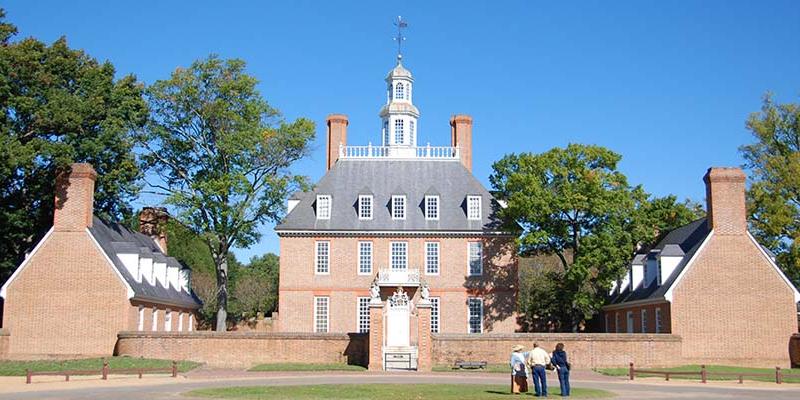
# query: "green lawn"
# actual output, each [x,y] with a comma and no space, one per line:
[377,391]
[497,368]
[789,375]
[17,368]
[307,367]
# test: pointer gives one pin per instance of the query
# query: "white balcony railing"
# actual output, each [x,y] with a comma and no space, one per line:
[425,152]
[393,277]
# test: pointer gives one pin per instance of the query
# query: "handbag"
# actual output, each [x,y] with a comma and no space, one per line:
[569,366]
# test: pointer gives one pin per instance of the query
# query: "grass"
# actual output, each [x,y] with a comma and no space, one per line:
[789,375]
[17,368]
[376,391]
[494,368]
[307,367]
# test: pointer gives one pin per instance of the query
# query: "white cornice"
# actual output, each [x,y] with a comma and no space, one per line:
[777,268]
[668,294]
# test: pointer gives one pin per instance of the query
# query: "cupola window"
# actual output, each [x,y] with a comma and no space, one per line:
[399,136]
[399,91]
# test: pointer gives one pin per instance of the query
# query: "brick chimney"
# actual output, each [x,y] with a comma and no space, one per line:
[151,223]
[74,198]
[337,134]
[461,137]
[725,196]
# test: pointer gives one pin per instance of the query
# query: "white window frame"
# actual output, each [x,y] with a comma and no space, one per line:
[393,256]
[399,91]
[399,134]
[362,314]
[168,320]
[399,207]
[629,328]
[474,208]
[643,320]
[616,322]
[191,322]
[608,320]
[470,260]
[180,321]
[432,207]
[365,258]
[318,323]
[365,207]
[436,319]
[318,259]
[324,212]
[659,322]
[155,320]
[433,256]
[140,324]
[470,302]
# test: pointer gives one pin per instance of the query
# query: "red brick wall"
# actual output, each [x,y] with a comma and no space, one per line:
[4,343]
[591,350]
[794,350]
[461,137]
[637,318]
[243,350]
[67,300]
[733,307]
[299,284]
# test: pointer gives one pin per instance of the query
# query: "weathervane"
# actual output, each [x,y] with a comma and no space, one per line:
[400,24]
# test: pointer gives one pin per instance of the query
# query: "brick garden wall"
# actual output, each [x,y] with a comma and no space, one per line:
[4,339]
[245,349]
[584,350]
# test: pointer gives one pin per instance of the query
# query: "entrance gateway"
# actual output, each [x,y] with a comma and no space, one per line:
[398,347]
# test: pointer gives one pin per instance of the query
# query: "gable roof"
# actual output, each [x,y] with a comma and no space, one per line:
[384,178]
[113,236]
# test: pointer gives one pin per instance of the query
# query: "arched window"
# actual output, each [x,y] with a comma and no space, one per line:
[386,132]
[398,132]
[399,90]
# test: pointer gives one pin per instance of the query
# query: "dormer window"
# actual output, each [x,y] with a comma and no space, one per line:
[399,91]
[398,207]
[431,208]
[474,207]
[324,206]
[399,136]
[364,207]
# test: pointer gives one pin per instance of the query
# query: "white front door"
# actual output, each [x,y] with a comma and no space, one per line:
[397,320]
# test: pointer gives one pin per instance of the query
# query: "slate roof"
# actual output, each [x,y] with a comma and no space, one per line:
[114,238]
[384,178]
[687,239]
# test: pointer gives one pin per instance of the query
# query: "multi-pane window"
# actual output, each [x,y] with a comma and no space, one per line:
[411,127]
[180,321]
[629,321]
[475,258]
[616,322]
[475,305]
[168,320]
[434,314]
[364,258]
[474,207]
[140,325]
[321,314]
[191,322]
[432,207]
[154,325]
[608,328]
[323,206]
[399,90]
[432,258]
[398,207]
[644,321]
[364,206]
[399,256]
[658,320]
[399,136]
[363,314]
[386,132]
[323,257]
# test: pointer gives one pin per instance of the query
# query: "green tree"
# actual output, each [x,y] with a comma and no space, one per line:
[221,156]
[573,205]
[773,161]
[60,106]
[255,286]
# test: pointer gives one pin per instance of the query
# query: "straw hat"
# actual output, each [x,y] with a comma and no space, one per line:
[517,348]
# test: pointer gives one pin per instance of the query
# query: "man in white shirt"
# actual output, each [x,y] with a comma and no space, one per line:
[538,359]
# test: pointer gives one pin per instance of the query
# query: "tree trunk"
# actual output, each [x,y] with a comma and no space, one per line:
[222,292]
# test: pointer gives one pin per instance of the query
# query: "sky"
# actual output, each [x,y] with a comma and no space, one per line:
[668,85]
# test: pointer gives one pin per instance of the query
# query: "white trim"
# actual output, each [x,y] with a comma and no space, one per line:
[361,198]
[375,233]
[358,313]
[24,263]
[111,263]
[394,207]
[316,257]
[431,197]
[668,294]
[330,206]
[777,268]
[479,208]
[327,313]
[469,328]
[358,257]
[438,257]
[469,256]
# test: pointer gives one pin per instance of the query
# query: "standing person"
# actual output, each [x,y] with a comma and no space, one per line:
[538,359]
[519,371]
[562,368]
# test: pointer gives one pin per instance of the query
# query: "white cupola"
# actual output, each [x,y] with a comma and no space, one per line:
[399,116]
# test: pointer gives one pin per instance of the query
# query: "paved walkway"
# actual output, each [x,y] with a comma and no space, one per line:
[162,388]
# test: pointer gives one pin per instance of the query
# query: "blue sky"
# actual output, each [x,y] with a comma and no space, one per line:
[666,84]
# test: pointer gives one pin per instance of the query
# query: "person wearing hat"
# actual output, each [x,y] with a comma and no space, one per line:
[519,371]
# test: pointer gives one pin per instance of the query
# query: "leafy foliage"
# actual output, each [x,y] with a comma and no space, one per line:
[221,156]
[773,161]
[573,204]
[60,106]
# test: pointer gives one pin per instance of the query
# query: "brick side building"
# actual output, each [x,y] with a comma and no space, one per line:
[397,225]
[88,279]
[712,284]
